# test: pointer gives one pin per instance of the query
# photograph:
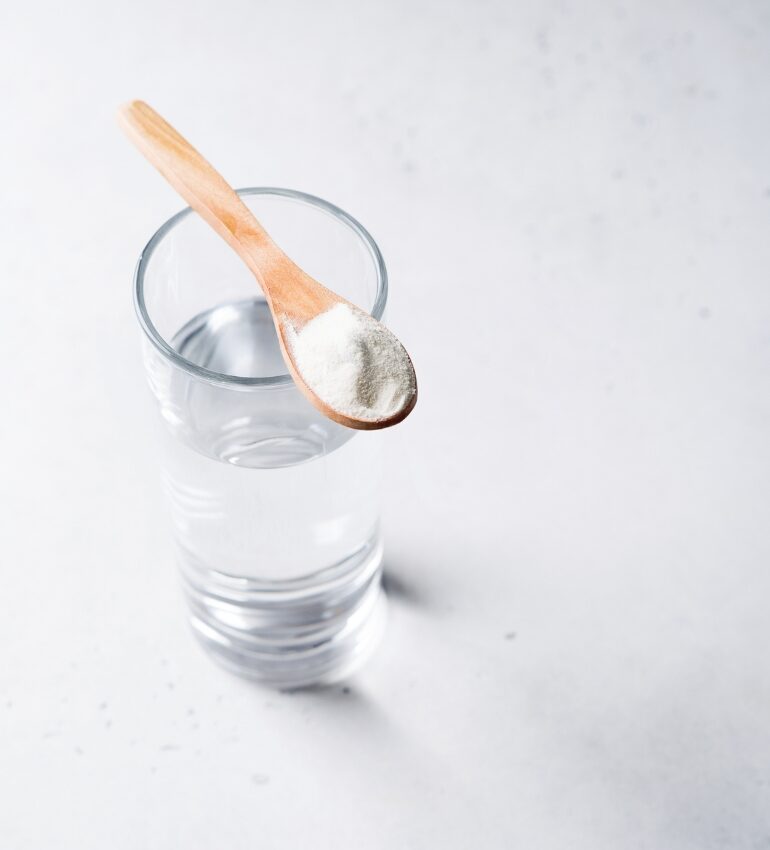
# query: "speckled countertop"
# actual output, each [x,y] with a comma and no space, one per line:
[577,511]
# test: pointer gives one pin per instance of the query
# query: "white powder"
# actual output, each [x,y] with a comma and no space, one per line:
[353,363]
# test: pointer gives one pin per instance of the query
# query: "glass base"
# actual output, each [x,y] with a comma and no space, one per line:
[290,634]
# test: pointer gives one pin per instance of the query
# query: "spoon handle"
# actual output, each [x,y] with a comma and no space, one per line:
[201,185]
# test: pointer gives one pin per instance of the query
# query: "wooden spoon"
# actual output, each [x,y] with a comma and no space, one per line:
[293,296]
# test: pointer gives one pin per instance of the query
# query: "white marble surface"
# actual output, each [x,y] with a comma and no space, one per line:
[574,204]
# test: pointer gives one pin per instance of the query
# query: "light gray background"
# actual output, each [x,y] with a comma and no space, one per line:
[573,200]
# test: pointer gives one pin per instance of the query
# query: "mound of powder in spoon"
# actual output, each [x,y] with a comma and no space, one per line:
[353,363]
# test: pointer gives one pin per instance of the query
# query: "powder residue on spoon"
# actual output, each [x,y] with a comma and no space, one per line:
[353,363]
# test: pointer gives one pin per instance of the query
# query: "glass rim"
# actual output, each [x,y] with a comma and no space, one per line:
[222,378]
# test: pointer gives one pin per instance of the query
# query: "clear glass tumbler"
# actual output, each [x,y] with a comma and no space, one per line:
[274,508]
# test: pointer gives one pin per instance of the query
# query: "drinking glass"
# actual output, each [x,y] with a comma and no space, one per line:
[274,508]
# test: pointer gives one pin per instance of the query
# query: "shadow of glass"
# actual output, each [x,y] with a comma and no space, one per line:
[401,589]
